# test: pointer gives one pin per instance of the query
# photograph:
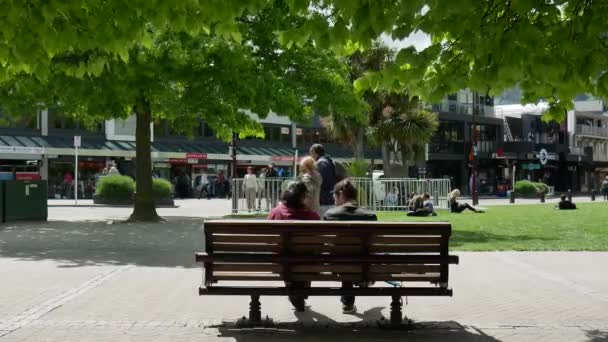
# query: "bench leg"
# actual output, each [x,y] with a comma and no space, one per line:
[255,315]
[396,314]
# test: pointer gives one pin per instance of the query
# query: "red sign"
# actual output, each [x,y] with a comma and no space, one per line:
[284,158]
[178,161]
[27,176]
[196,155]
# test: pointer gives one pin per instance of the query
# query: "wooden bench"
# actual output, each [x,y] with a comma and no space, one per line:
[413,254]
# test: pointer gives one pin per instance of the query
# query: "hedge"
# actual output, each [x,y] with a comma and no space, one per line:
[116,188]
[161,188]
[527,188]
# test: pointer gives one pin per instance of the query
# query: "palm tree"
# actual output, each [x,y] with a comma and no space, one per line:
[397,122]
[402,132]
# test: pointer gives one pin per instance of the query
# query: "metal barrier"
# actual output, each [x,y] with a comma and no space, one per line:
[394,194]
[382,194]
[260,198]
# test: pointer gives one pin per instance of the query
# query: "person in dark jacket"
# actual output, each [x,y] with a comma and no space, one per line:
[327,170]
[347,209]
[565,204]
[272,186]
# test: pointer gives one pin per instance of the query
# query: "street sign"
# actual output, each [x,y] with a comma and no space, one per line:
[196,155]
[77,141]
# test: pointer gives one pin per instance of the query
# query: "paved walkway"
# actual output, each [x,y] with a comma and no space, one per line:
[92,281]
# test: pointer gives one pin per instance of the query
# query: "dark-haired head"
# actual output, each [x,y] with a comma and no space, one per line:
[295,194]
[316,151]
[345,191]
[563,197]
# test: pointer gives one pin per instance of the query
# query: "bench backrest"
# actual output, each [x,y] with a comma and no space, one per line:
[258,250]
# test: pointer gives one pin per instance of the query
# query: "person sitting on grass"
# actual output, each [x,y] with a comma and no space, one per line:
[415,202]
[565,203]
[427,207]
[293,206]
[456,207]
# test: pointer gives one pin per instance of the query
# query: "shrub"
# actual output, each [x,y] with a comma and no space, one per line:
[161,188]
[542,186]
[117,188]
[358,168]
[527,188]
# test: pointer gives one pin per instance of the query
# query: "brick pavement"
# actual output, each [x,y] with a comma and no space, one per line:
[93,281]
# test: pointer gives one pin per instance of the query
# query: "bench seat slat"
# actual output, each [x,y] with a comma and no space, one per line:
[326,291]
[404,239]
[245,248]
[400,268]
[405,248]
[324,238]
[247,268]
[240,238]
[373,259]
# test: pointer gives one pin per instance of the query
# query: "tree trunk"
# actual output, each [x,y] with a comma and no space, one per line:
[386,160]
[144,209]
[358,144]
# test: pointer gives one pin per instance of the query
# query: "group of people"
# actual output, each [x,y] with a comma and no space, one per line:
[422,205]
[320,194]
[318,174]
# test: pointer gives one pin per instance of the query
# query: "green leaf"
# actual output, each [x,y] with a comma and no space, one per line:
[361,84]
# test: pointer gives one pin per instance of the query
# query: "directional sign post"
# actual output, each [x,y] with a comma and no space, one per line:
[77,142]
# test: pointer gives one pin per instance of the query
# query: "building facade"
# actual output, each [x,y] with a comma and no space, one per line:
[469,136]
[588,127]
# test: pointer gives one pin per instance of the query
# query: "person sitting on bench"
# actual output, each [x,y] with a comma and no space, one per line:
[565,203]
[347,209]
[293,207]
[427,207]
[456,207]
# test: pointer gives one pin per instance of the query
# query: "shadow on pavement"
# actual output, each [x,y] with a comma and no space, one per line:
[85,243]
[597,336]
[351,332]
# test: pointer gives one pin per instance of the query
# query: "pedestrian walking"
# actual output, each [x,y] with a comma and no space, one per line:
[312,179]
[328,173]
[605,188]
[250,188]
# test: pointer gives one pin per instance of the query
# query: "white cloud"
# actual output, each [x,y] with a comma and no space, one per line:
[419,40]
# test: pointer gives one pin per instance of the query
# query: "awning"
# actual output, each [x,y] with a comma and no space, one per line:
[250,149]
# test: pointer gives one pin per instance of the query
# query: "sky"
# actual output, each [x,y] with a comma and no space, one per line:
[419,40]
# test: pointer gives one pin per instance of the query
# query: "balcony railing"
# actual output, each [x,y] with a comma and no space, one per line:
[593,131]
[449,106]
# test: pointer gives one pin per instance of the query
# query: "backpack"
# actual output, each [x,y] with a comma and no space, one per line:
[339,171]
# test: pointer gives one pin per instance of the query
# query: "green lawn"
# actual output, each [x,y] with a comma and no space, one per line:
[524,228]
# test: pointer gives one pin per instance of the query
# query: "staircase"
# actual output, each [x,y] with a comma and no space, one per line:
[508,135]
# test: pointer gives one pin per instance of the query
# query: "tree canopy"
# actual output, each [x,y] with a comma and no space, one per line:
[186,78]
[551,49]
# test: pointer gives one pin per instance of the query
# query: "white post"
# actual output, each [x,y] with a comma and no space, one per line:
[513,180]
[295,149]
[76,176]
[295,163]
[76,146]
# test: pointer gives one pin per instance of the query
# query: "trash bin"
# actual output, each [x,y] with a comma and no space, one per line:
[24,201]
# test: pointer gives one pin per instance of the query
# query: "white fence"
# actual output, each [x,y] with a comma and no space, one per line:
[394,194]
[382,194]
